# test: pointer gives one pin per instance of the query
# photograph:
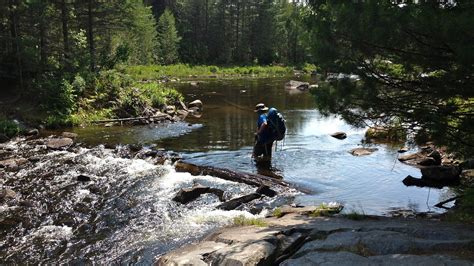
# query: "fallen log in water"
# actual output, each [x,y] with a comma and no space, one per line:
[128,119]
[255,180]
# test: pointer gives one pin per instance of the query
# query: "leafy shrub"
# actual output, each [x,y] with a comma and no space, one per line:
[109,84]
[241,220]
[9,128]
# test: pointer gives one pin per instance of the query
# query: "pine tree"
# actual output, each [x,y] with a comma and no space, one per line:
[168,39]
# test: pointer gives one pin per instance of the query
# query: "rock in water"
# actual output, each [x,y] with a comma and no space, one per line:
[441,173]
[297,85]
[339,135]
[403,150]
[32,132]
[7,194]
[83,178]
[362,151]
[195,103]
[436,157]
[267,191]
[69,135]
[60,143]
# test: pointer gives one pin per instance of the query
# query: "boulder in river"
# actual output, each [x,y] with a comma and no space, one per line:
[32,132]
[13,163]
[420,182]
[441,173]
[7,194]
[267,191]
[339,135]
[59,143]
[83,178]
[195,104]
[69,135]
[297,85]
[362,151]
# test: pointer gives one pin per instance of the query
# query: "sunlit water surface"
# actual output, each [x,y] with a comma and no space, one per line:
[126,213]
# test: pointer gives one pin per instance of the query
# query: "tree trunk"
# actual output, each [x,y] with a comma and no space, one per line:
[90,35]
[255,180]
[16,41]
[42,29]
[64,20]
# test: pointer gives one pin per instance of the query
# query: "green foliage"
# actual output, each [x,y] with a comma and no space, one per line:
[113,94]
[412,72]
[241,220]
[168,39]
[9,128]
[155,72]
[159,95]
[277,213]
[326,210]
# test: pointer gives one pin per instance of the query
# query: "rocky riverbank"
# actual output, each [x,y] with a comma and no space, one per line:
[299,238]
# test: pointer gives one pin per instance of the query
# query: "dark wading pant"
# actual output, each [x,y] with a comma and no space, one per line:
[263,149]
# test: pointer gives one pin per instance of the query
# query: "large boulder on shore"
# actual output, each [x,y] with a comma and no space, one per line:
[297,85]
[444,174]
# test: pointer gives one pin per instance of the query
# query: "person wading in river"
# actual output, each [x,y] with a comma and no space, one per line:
[262,151]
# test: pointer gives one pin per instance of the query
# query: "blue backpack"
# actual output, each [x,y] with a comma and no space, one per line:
[277,124]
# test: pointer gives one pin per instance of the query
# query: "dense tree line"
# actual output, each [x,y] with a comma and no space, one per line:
[41,39]
[238,32]
[415,58]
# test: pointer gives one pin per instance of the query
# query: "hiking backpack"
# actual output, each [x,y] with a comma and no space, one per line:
[277,123]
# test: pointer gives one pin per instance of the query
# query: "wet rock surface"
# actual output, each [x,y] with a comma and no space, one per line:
[339,135]
[103,205]
[362,151]
[297,239]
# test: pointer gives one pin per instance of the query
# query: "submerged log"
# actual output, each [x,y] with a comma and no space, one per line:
[234,203]
[129,119]
[255,180]
[186,195]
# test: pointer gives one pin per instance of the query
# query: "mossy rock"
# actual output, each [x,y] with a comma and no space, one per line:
[390,134]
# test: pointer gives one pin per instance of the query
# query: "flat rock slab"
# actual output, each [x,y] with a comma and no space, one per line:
[362,151]
[59,143]
[296,239]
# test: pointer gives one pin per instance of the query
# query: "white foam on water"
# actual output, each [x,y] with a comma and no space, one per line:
[53,232]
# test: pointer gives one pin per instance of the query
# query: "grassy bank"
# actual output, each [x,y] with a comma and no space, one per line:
[80,100]
[143,72]
[118,95]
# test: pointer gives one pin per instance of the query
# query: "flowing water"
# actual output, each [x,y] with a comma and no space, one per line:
[126,213]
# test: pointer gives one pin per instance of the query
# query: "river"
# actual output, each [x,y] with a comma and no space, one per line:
[126,215]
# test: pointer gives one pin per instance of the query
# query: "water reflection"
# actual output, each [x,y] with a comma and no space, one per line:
[308,156]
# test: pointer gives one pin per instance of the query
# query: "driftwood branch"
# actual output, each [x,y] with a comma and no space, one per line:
[440,204]
[255,180]
[130,119]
